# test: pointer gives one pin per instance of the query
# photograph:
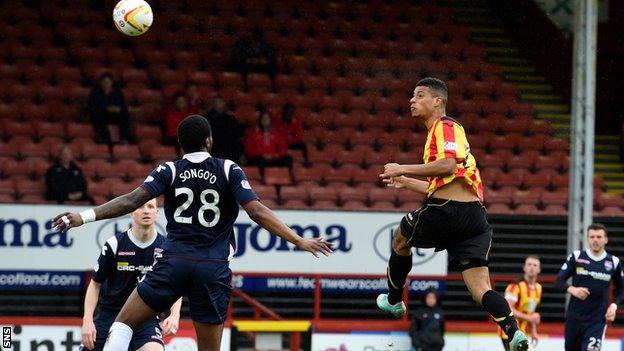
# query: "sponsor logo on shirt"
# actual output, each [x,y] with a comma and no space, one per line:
[126,253]
[596,275]
[449,145]
[580,260]
[127,267]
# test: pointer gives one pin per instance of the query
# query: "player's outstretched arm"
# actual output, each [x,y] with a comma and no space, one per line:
[269,221]
[403,182]
[437,168]
[116,207]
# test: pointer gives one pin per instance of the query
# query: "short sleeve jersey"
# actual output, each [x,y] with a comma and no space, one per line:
[202,194]
[122,263]
[596,274]
[525,299]
[447,139]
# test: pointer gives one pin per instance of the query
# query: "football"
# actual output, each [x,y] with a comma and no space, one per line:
[133,17]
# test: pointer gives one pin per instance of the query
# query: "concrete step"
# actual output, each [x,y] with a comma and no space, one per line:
[615,176]
[541,98]
[606,157]
[537,88]
[559,117]
[492,40]
[502,50]
[486,31]
[608,139]
[523,78]
[479,22]
[614,184]
[551,108]
[505,60]
[527,70]
[608,167]
[607,148]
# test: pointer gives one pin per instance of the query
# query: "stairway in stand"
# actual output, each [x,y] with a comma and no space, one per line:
[489,30]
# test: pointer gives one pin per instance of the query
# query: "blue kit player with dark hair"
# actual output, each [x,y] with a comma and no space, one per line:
[123,261]
[589,310]
[202,195]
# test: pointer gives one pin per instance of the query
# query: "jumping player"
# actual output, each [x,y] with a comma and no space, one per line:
[592,271]
[453,217]
[202,195]
[124,259]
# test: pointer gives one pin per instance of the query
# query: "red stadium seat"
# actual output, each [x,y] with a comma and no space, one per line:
[383,206]
[277,176]
[314,174]
[30,187]
[288,193]
[354,205]
[326,205]
[293,204]
[342,174]
[89,151]
[265,192]
[126,151]
[383,194]
[527,209]
[352,194]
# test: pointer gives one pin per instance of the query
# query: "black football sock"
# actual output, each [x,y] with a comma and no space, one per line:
[398,268]
[496,305]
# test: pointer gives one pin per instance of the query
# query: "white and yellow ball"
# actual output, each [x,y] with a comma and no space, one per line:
[133,17]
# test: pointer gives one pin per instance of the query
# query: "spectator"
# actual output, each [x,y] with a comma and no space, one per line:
[266,146]
[108,106]
[195,102]
[173,116]
[65,181]
[292,128]
[253,53]
[427,330]
[227,133]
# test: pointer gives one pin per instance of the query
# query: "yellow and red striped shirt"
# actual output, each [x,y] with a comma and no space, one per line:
[525,299]
[447,139]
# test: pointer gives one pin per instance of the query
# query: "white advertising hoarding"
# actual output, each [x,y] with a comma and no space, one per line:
[68,338]
[361,242]
[400,341]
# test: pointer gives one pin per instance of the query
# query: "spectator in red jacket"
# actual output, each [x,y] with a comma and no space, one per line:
[292,127]
[266,145]
[173,116]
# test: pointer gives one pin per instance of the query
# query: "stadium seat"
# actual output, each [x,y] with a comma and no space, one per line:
[31,187]
[35,199]
[383,206]
[47,129]
[292,204]
[91,151]
[121,188]
[277,176]
[288,193]
[352,194]
[342,174]
[127,151]
[383,194]
[354,205]
[266,192]
[527,209]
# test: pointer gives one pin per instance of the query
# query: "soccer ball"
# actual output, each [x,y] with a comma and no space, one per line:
[132,17]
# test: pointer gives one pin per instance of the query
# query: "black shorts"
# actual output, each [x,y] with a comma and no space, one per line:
[205,283]
[149,332]
[580,336]
[461,228]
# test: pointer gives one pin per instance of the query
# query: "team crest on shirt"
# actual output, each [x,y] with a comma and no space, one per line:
[608,266]
[245,184]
